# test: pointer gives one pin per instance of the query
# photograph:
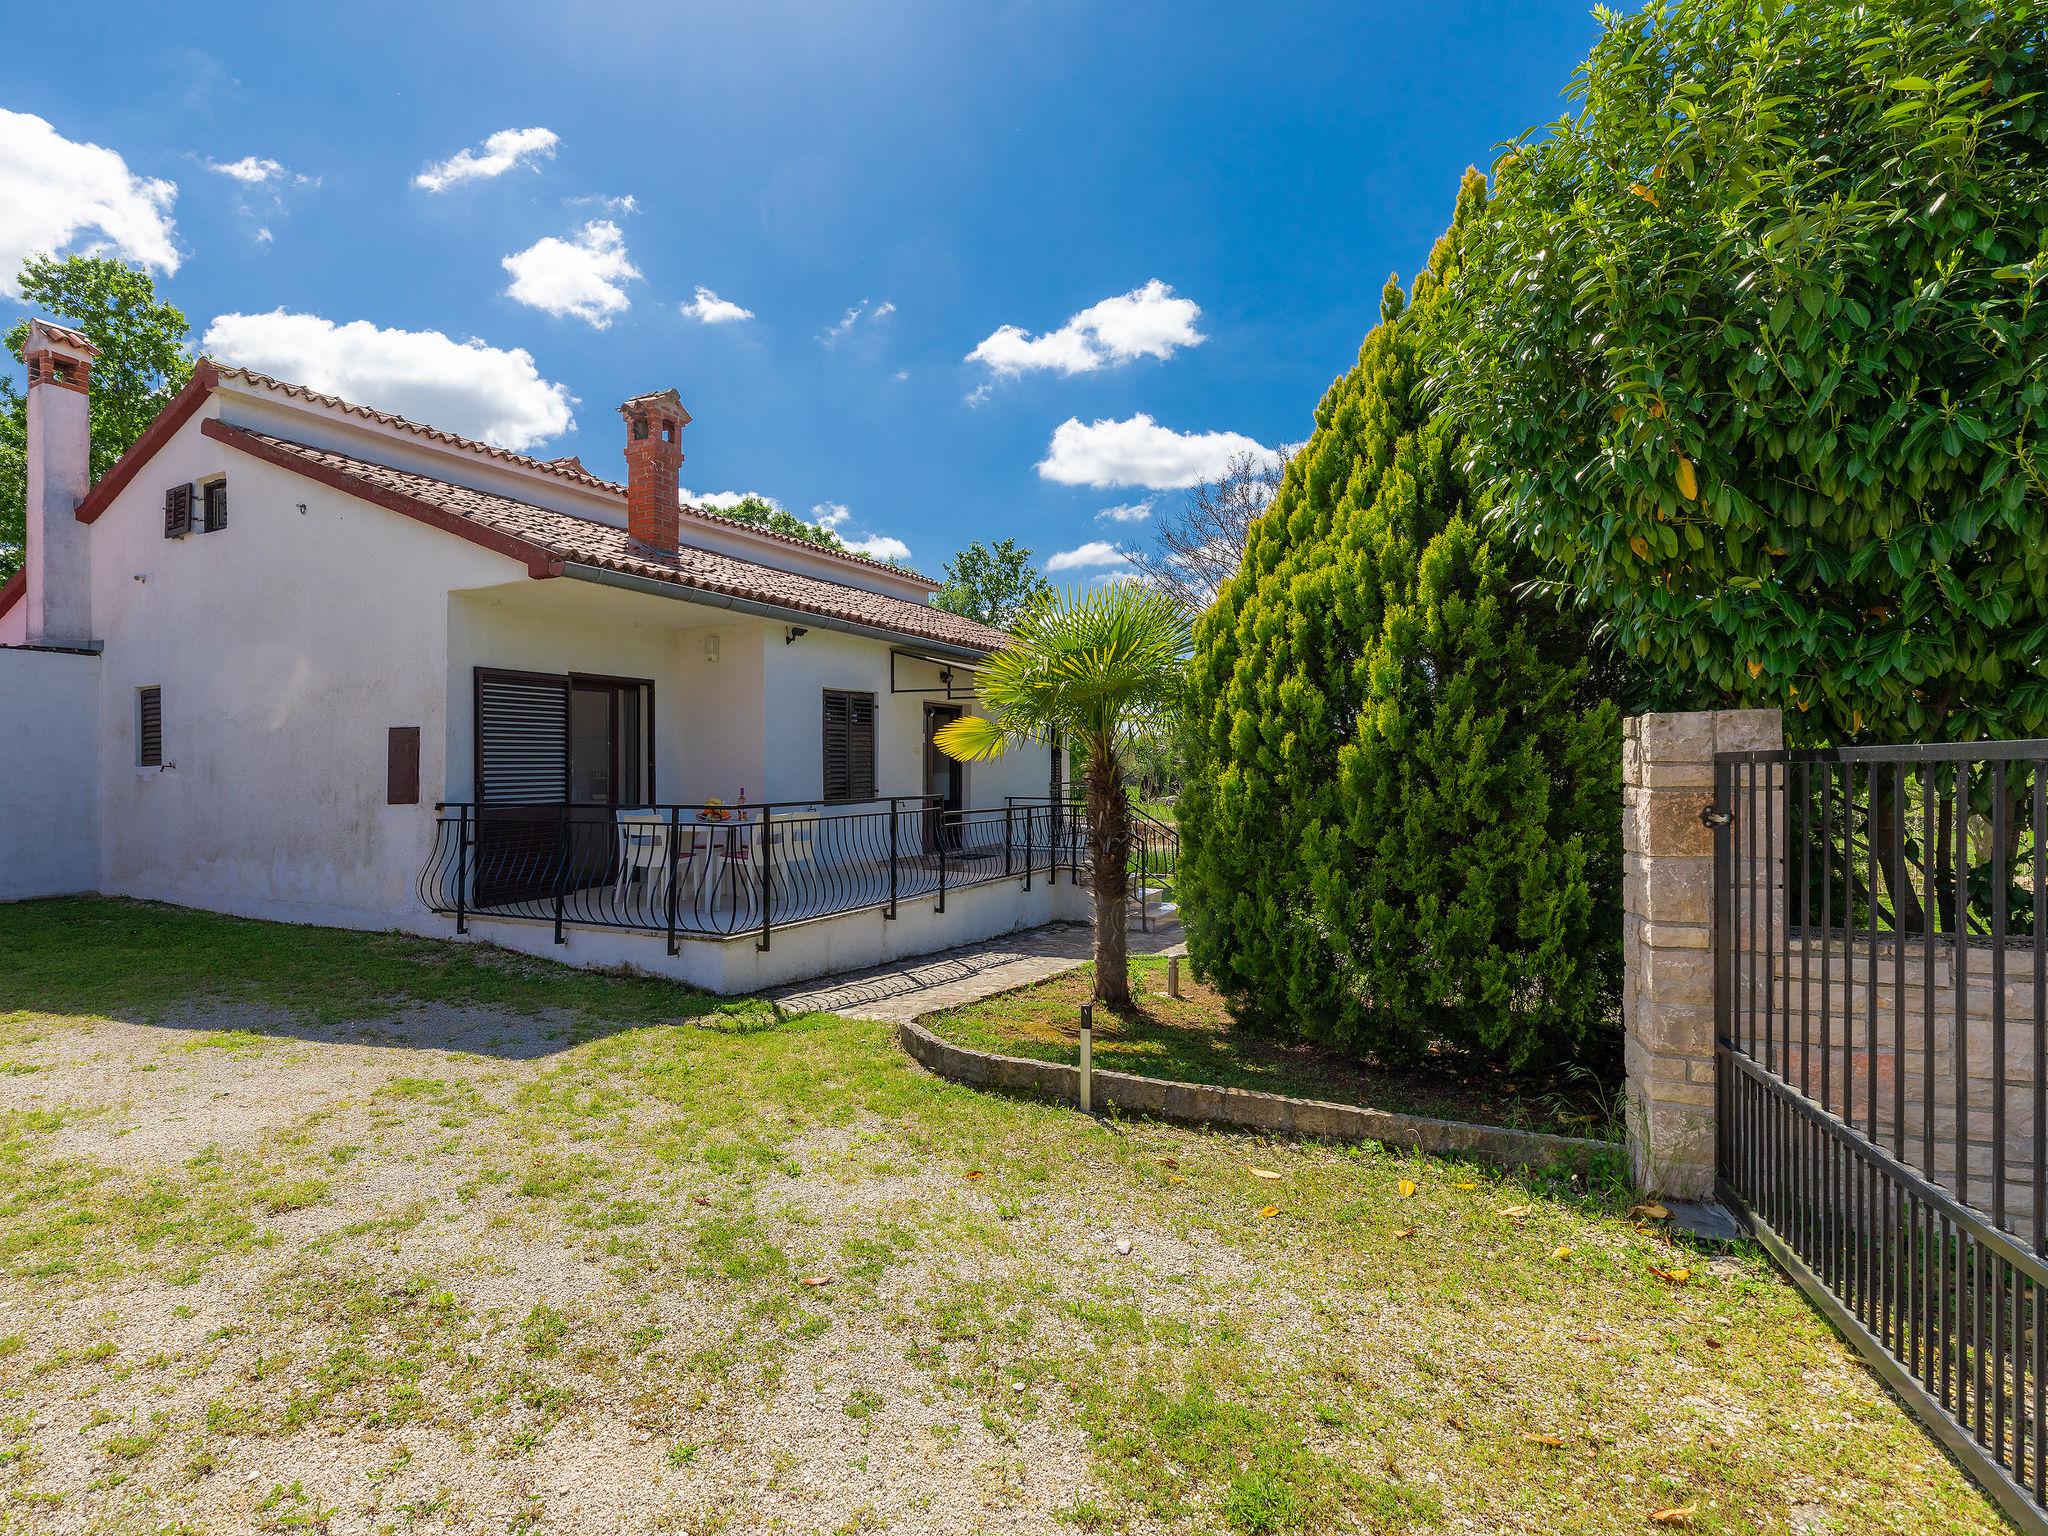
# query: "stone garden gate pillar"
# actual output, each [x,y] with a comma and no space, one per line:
[1667,778]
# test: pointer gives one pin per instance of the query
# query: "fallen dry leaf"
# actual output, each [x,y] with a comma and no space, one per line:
[1515,1212]
[1674,1276]
[1589,1338]
[1678,1514]
[1651,1209]
[815,1280]
[1465,1186]
[1551,1440]
[700,1200]
[1407,1188]
[1406,1232]
[1175,1178]
[1560,1252]
[974,1173]
[1264,1173]
[1269,1210]
[1167,1162]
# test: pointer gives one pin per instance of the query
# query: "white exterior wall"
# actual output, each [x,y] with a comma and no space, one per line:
[49,783]
[14,624]
[285,645]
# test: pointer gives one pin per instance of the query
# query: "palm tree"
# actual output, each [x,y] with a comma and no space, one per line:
[1095,668]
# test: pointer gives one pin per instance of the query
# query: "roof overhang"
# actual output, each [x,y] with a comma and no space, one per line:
[780,613]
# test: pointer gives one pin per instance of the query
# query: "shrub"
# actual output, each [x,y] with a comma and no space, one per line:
[1756,355]
[1402,811]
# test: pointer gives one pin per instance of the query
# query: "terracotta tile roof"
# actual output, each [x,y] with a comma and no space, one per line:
[543,535]
[67,334]
[569,468]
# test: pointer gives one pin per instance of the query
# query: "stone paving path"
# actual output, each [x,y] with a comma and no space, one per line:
[921,984]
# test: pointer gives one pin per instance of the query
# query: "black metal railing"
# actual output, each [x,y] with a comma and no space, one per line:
[1152,859]
[714,871]
[1881,1006]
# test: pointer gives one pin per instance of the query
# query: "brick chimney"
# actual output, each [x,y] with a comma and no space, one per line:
[654,465]
[59,594]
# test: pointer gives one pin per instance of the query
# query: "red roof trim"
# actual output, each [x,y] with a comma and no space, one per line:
[540,562]
[168,420]
[13,590]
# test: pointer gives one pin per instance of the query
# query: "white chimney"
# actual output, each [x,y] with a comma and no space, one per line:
[58,559]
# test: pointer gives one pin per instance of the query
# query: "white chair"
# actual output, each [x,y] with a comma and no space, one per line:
[644,849]
[793,834]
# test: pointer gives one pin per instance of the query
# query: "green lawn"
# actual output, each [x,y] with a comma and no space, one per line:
[1190,1039]
[303,1230]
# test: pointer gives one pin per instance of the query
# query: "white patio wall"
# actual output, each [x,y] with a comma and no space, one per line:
[822,947]
[49,784]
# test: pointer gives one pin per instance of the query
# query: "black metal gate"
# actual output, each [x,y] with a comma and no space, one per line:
[1879,992]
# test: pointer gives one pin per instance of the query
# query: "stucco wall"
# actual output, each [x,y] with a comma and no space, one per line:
[49,786]
[14,624]
[286,645]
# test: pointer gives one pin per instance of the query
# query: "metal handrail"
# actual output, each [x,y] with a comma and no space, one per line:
[713,871]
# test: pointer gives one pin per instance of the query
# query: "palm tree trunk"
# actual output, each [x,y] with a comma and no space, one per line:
[1109,843]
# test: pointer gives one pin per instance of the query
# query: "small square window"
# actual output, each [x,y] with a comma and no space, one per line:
[214,501]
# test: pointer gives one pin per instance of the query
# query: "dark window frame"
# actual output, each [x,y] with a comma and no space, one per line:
[149,702]
[213,505]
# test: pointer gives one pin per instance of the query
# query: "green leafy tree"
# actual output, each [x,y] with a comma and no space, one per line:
[144,359]
[762,513]
[990,584]
[1095,668]
[1755,355]
[1401,804]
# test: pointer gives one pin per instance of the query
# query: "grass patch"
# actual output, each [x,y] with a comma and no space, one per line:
[760,1249]
[1191,1039]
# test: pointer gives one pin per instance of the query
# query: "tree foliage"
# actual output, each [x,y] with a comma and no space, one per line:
[990,584]
[760,512]
[144,359]
[1400,806]
[1198,546]
[1755,352]
[1095,669]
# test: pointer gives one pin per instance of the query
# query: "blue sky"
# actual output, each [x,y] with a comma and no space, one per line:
[882,187]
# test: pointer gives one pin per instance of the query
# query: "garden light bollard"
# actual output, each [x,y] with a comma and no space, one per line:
[1087,1052]
[1173,975]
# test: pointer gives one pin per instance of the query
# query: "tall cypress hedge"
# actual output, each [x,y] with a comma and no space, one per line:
[1402,811]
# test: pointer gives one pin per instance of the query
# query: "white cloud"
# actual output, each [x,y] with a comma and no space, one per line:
[1129,512]
[1094,553]
[1139,452]
[833,516]
[712,310]
[1146,322]
[263,235]
[52,190]
[251,170]
[501,152]
[846,321]
[627,204]
[722,501]
[480,391]
[581,276]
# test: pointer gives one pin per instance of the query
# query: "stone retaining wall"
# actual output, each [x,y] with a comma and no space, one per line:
[1243,1109]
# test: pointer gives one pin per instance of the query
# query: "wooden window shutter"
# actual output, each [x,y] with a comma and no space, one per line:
[177,511]
[402,766]
[860,746]
[838,772]
[149,723]
[216,505]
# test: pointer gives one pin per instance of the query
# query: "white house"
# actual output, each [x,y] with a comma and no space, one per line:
[298,659]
